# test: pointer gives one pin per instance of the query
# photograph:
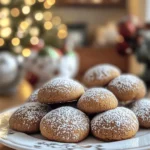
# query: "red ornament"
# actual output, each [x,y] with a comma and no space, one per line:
[123,48]
[127,29]
[32,78]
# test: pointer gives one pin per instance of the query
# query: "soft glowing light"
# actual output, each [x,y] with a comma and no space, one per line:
[2,42]
[26,52]
[62,34]
[34,31]
[38,16]
[15,12]
[56,20]
[46,5]
[47,15]
[97,1]
[24,25]
[5,32]
[48,25]
[4,12]
[5,2]
[34,40]
[29,2]
[5,22]
[15,41]
[41,1]
[26,10]
[50,2]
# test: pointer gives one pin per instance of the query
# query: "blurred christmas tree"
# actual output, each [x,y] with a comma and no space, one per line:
[25,23]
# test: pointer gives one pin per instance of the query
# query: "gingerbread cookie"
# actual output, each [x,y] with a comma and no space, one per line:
[100,75]
[141,109]
[27,118]
[97,100]
[65,124]
[60,90]
[113,125]
[127,87]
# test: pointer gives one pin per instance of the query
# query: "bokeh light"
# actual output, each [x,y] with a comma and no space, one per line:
[39,16]
[2,42]
[26,10]
[48,25]
[15,12]
[15,41]
[26,52]
[34,40]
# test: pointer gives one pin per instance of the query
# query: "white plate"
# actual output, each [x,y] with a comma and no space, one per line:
[21,141]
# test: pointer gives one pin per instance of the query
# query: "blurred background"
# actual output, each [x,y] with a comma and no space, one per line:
[43,39]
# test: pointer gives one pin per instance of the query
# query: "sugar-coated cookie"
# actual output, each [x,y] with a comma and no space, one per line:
[27,118]
[33,97]
[60,90]
[100,75]
[127,87]
[113,125]
[141,109]
[65,124]
[97,100]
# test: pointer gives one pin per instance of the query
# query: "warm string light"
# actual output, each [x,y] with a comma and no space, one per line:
[26,10]
[26,52]
[25,27]
[15,12]
[15,41]
[48,25]
[2,42]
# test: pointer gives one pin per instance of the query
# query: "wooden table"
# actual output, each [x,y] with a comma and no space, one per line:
[23,92]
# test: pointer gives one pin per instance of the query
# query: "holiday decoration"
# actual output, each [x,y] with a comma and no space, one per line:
[25,22]
[128,28]
[10,72]
[42,65]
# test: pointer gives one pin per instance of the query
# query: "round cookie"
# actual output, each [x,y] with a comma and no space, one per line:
[100,75]
[33,97]
[97,100]
[113,125]
[65,124]
[60,90]
[27,118]
[141,109]
[127,87]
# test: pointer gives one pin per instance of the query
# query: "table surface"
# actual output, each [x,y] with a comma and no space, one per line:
[19,97]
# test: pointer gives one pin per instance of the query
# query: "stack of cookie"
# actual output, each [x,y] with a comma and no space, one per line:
[61,108]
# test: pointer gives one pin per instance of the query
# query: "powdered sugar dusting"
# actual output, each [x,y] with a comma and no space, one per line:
[66,122]
[33,97]
[96,94]
[63,85]
[125,83]
[31,113]
[100,72]
[123,118]
[141,109]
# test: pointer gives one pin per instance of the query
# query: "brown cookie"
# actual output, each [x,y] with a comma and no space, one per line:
[127,87]
[33,97]
[60,90]
[97,100]
[100,75]
[114,125]
[65,124]
[27,118]
[141,109]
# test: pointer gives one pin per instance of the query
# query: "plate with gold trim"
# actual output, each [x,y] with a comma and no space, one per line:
[22,141]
